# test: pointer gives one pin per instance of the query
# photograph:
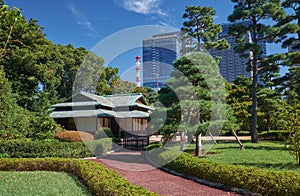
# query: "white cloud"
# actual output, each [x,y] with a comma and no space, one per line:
[81,19]
[143,6]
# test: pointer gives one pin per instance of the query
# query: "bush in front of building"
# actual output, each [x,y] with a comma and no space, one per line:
[98,179]
[27,149]
[100,147]
[103,132]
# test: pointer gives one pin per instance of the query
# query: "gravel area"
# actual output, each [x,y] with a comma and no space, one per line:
[136,169]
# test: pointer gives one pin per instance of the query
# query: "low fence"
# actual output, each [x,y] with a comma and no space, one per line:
[135,140]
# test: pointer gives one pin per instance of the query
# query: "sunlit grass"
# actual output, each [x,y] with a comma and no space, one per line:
[40,183]
[266,155]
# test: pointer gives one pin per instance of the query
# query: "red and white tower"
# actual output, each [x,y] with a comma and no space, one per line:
[138,71]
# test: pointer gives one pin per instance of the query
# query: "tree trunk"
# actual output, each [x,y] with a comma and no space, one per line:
[254,64]
[198,146]
[268,123]
[190,137]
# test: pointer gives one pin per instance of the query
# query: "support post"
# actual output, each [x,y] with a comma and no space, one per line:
[198,145]
[182,140]
[238,140]
[212,137]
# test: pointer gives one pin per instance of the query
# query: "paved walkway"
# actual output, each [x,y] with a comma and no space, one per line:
[136,169]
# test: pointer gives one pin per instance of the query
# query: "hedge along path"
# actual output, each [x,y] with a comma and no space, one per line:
[253,179]
[98,179]
[136,169]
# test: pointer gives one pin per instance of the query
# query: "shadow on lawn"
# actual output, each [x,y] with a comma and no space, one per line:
[293,167]
[269,148]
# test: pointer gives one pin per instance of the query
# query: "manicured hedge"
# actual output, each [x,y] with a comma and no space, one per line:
[278,135]
[256,180]
[100,146]
[31,149]
[99,179]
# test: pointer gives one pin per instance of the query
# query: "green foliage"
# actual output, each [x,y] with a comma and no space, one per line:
[273,111]
[153,146]
[16,122]
[4,155]
[100,146]
[103,132]
[256,180]
[294,138]
[199,25]
[23,149]
[294,141]
[239,98]
[98,179]
[194,98]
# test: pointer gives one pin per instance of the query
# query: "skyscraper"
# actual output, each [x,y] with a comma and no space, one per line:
[159,53]
[232,65]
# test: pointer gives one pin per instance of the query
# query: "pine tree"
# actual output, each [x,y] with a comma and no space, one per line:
[249,36]
[200,25]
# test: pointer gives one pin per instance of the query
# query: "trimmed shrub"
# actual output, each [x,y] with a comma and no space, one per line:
[4,155]
[256,180]
[26,149]
[153,145]
[74,136]
[98,179]
[103,132]
[100,146]
[277,135]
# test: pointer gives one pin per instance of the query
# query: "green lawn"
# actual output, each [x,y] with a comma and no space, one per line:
[265,154]
[40,183]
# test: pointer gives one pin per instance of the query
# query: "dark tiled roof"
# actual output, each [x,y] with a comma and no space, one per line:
[112,101]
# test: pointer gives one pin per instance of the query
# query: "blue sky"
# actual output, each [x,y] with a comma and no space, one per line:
[86,23]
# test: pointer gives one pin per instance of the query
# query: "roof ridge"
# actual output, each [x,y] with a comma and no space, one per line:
[128,94]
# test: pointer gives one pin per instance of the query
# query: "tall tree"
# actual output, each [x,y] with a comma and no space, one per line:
[70,59]
[249,37]
[200,25]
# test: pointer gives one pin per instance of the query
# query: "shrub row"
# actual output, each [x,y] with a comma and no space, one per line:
[255,180]
[27,149]
[99,179]
[278,135]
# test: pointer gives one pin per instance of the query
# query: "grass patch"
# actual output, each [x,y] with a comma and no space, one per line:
[265,155]
[40,183]
[98,179]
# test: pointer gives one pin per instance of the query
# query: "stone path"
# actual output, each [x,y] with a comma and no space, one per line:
[136,169]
